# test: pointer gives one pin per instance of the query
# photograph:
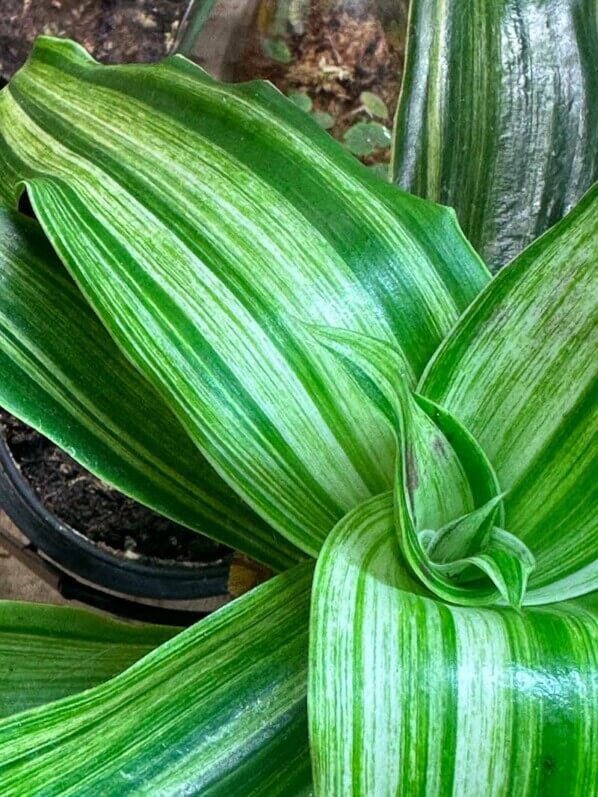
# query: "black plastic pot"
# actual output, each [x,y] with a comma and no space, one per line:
[83,571]
[77,556]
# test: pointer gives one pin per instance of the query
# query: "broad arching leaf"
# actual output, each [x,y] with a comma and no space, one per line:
[498,115]
[218,710]
[49,652]
[520,373]
[205,223]
[61,372]
[410,696]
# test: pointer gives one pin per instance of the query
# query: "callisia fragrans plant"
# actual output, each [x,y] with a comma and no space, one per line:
[219,311]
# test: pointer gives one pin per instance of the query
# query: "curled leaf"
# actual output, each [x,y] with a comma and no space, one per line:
[520,372]
[408,695]
[444,484]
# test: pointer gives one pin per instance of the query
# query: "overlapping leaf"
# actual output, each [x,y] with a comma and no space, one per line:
[412,696]
[218,710]
[49,652]
[519,372]
[64,375]
[206,225]
[446,494]
[203,222]
[498,114]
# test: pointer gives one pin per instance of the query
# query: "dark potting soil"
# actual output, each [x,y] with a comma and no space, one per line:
[96,510]
[114,31]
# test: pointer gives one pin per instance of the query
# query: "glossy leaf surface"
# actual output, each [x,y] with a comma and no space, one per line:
[203,222]
[520,373]
[447,497]
[498,115]
[410,696]
[49,652]
[63,374]
[218,710]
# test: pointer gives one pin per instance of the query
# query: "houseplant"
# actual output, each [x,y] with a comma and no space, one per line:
[358,364]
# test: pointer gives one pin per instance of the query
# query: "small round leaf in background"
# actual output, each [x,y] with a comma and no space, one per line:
[374,104]
[324,119]
[364,138]
[301,100]
[277,50]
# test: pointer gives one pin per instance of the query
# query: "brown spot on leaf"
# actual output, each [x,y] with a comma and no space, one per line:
[411,471]
[439,446]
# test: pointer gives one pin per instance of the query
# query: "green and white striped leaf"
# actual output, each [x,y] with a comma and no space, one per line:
[520,372]
[49,652]
[498,115]
[204,222]
[218,710]
[409,696]
[63,374]
[447,497]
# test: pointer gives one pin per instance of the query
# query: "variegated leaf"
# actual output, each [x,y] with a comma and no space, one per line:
[218,710]
[49,652]
[447,496]
[520,373]
[498,114]
[410,696]
[63,374]
[204,222]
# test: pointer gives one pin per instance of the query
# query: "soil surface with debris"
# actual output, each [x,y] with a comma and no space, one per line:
[101,513]
[114,31]
[334,55]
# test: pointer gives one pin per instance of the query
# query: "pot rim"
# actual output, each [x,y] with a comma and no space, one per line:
[74,553]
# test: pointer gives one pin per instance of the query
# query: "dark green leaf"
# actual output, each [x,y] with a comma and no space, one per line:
[49,652]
